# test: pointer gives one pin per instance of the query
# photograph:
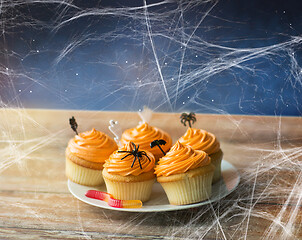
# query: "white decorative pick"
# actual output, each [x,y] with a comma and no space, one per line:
[116,130]
[146,114]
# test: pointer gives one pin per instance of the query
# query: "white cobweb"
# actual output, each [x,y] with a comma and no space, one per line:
[173,66]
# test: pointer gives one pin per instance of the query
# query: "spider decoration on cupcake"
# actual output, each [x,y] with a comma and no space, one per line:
[188,118]
[136,153]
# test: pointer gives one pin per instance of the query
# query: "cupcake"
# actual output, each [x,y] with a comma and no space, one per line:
[85,157]
[143,135]
[185,174]
[200,139]
[129,173]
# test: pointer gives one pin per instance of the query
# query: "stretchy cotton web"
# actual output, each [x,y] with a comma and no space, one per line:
[170,56]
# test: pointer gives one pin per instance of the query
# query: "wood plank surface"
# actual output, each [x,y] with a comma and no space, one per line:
[36,204]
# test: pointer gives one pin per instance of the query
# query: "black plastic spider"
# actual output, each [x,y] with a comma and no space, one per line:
[137,155]
[188,118]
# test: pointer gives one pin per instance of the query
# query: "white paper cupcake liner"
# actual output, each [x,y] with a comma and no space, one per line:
[82,175]
[189,190]
[130,190]
[216,159]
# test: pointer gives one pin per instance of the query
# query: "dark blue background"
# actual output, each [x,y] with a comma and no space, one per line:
[244,57]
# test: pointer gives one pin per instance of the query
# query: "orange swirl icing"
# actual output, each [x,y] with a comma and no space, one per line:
[200,139]
[93,146]
[116,165]
[143,135]
[180,159]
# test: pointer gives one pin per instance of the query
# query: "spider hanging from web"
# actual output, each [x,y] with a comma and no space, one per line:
[136,153]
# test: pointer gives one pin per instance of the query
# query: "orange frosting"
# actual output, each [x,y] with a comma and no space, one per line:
[116,165]
[200,139]
[93,146]
[180,159]
[143,135]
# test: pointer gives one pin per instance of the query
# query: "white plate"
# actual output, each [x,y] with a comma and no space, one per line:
[159,201]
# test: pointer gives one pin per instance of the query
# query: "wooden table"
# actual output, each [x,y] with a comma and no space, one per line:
[36,203]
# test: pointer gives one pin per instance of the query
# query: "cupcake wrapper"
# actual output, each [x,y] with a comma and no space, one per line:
[189,190]
[217,173]
[82,175]
[216,159]
[130,190]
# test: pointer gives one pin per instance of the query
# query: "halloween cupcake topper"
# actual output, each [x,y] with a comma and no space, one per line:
[136,153]
[185,117]
[145,115]
[73,124]
[116,130]
[158,143]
